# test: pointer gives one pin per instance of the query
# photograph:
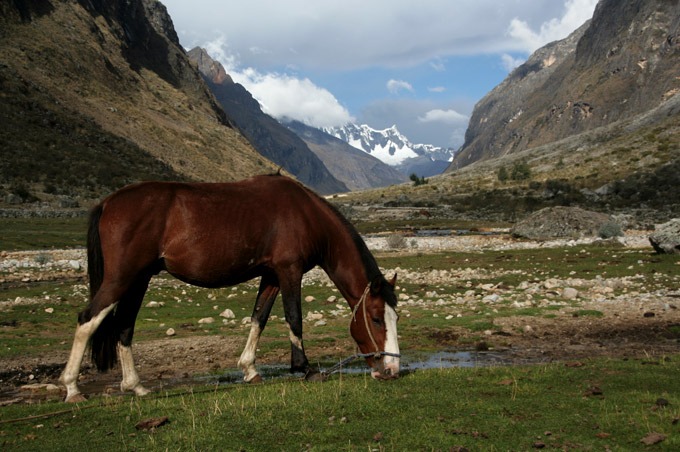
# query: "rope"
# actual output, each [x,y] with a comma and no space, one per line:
[362,302]
[349,359]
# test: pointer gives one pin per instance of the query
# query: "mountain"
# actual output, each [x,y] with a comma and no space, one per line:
[96,94]
[357,169]
[393,148]
[620,66]
[266,134]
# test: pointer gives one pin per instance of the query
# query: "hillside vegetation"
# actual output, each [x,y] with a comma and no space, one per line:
[96,95]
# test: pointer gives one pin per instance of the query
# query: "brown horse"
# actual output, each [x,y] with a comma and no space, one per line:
[221,234]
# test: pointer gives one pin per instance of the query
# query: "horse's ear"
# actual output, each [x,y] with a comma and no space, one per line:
[393,281]
[376,285]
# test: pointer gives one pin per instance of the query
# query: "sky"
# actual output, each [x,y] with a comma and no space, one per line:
[420,65]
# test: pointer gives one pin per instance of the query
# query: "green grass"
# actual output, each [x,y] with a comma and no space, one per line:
[42,233]
[599,405]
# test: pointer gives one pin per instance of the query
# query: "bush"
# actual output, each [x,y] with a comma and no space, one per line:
[502,174]
[418,180]
[520,171]
[396,241]
[610,230]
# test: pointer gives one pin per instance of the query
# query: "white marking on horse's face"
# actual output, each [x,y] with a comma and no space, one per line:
[390,363]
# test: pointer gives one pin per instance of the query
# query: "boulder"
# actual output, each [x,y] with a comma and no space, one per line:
[561,222]
[666,237]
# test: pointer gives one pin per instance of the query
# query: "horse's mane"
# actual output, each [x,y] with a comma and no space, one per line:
[367,259]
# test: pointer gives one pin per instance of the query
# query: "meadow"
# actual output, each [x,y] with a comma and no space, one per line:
[602,373]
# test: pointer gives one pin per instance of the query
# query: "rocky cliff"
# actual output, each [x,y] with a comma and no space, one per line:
[621,65]
[266,134]
[99,93]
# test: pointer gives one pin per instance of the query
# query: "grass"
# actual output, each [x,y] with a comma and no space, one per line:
[42,233]
[595,405]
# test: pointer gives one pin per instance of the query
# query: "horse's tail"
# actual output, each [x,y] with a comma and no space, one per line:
[95,259]
[105,339]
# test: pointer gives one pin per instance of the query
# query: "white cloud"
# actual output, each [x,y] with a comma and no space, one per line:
[576,13]
[283,95]
[395,86]
[356,34]
[436,89]
[509,62]
[445,116]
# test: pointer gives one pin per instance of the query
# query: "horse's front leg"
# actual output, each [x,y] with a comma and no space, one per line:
[267,293]
[292,307]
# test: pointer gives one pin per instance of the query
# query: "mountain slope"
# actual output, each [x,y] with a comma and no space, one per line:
[266,134]
[357,169]
[104,93]
[394,149]
[622,64]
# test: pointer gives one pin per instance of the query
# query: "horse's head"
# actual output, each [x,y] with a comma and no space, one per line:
[374,327]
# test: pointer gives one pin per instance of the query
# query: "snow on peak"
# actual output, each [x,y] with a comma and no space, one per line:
[388,145]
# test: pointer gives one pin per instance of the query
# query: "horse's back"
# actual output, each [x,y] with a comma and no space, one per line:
[216,233]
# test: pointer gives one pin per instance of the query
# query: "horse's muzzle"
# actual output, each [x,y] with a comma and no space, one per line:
[386,370]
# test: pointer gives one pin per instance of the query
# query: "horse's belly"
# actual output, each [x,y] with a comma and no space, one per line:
[212,272]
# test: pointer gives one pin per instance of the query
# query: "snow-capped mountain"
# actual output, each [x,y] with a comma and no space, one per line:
[394,149]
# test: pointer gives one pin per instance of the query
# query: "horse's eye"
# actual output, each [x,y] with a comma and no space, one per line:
[378,322]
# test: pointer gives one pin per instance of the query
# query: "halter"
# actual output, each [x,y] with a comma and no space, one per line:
[362,302]
[377,354]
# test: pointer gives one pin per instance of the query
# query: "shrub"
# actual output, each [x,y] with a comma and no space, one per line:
[502,174]
[610,230]
[520,171]
[396,241]
[418,180]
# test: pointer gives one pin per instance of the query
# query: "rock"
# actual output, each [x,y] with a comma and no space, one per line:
[314,316]
[493,298]
[228,314]
[74,264]
[170,332]
[206,320]
[309,298]
[561,222]
[332,299]
[569,293]
[666,238]
[320,323]
[49,310]
[153,304]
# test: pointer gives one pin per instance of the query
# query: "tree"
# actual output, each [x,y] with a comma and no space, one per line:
[418,180]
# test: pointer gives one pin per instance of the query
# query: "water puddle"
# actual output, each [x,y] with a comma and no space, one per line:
[410,362]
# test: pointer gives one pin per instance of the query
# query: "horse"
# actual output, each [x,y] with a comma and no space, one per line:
[222,234]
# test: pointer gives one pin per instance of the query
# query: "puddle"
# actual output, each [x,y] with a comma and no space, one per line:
[410,362]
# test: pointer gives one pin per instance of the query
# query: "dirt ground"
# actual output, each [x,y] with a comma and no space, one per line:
[632,328]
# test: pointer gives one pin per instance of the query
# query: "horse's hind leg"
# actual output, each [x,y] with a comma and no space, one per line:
[126,315]
[263,305]
[69,376]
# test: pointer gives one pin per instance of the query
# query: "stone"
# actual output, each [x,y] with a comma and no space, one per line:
[170,332]
[228,314]
[666,237]
[561,222]
[206,320]
[569,293]
[314,316]
[309,298]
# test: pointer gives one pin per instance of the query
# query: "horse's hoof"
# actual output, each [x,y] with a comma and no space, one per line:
[316,376]
[257,379]
[75,398]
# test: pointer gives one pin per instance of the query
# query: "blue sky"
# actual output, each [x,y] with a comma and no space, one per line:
[420,65]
